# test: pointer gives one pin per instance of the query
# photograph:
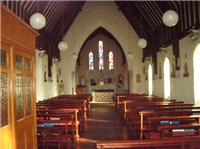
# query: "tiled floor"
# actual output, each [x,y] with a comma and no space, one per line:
[103,124]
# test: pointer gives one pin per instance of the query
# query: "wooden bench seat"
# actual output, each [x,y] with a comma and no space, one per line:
[163,128]
[178,143]
[61,117]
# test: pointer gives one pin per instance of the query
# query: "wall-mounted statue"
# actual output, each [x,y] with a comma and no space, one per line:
[120,81]
[173,75]
[186,73]
[185,68]
[160,71]
[61,87]
[92,82]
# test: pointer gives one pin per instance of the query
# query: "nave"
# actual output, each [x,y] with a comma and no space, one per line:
[131,53]
[103,124]
[134,120]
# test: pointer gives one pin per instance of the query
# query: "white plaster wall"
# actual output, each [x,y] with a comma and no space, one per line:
[108,16]
[44,89]
[182,88]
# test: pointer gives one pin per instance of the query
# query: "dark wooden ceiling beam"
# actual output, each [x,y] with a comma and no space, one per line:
[144,15]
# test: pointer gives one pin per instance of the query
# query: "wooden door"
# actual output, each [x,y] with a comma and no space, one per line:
[6,133]
[23,89]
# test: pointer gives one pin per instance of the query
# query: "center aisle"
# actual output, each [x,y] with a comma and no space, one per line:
[103,124]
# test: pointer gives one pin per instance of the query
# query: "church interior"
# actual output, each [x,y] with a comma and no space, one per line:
[99,74]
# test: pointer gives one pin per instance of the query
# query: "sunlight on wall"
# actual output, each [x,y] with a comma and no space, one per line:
[166,78]
[196,65]
[150,80]
[54,78]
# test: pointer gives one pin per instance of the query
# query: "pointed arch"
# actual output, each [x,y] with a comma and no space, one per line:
[150,80]
[91,60]
[167,78]
[108,34]
[101,59]
[196,66]
[111,60]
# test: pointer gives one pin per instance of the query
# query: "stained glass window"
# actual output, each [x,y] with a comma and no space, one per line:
[100,55]
[91,61]
[28,94]
[19,63]
[27,65]
[19,96]
[3,58]
[111,66]
[3,99]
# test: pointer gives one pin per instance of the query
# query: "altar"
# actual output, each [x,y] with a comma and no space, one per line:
[102,93]
[102,96]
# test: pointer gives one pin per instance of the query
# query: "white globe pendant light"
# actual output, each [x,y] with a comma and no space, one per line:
[37,21]
[62,46]
[170,18]
[142,43]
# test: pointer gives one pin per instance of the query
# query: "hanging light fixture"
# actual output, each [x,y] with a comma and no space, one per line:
[170,18]
[142,43]
[62,45]
[37,20]
[74,55]
[130,54]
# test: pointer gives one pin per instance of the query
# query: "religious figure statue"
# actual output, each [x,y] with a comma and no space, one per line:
[120,81]
[160,71]
[173,75]
[45,76]
[186,73]
[61,87]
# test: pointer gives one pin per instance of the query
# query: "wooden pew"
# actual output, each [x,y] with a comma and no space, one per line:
[66,103]
[167,111]
[187,122]
[178,143]
[134,106]
[87,97]
[118,97]
[54,125]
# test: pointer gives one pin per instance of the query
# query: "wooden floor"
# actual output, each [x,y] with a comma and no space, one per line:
[102,124]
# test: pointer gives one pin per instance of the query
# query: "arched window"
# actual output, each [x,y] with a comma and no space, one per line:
[166,78]
[196,65]
[100,55]
[150,80]
[111,66]
[91,61]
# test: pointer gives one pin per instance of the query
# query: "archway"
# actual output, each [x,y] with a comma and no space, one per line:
[107,69]
[196,65]
[166,78]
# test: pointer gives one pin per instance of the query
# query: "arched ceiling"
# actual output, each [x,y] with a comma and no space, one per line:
[144,16]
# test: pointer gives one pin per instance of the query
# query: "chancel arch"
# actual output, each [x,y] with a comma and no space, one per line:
[104,76]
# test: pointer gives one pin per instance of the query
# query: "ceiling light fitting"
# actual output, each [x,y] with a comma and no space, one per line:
[37,20]
[142,43]
[62,45]
[170,18]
